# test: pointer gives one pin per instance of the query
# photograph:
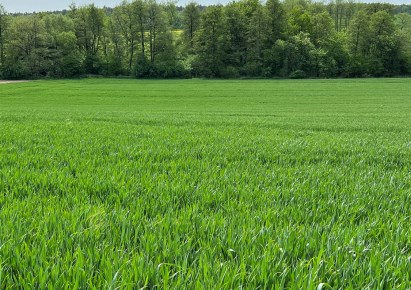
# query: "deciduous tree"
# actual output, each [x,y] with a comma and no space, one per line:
[3,28]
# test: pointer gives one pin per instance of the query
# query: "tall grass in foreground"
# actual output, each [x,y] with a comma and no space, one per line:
[109,184]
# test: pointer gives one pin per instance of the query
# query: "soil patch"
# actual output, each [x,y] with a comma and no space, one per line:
[11,82]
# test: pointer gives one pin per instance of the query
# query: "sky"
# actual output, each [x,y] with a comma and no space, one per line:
[49,5]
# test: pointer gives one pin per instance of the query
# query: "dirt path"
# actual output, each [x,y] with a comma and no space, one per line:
[11,82]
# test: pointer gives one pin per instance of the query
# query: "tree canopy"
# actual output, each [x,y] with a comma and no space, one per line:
[246,38]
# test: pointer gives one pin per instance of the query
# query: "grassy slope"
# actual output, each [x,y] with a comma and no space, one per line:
[214,184]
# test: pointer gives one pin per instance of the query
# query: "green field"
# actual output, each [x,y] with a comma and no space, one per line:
[196,184]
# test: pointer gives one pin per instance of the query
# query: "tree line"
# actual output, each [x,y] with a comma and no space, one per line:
[246,38]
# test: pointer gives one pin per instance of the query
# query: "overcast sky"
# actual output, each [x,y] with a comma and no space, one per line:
[47,5]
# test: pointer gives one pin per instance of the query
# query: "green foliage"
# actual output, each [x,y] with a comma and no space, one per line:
[256,50]
[235,35]
[191,24]
[210,42]
[246,38]
[277,20]
[27,54]
[4,23]
[125,184]
[403,23]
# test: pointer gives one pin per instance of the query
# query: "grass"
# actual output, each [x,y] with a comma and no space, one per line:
[194,184]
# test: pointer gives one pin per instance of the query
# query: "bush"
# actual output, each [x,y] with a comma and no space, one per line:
[230,72]
[298,74]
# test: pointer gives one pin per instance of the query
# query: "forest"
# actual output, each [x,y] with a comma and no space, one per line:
[242,39]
